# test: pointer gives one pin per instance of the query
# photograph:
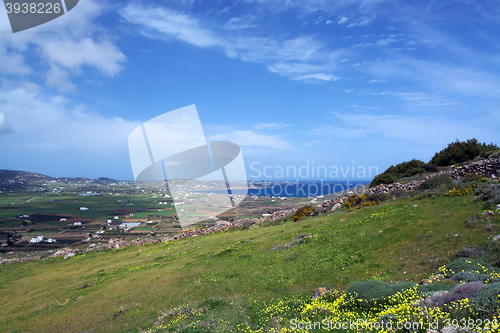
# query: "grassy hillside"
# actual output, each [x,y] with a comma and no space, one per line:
[238,280]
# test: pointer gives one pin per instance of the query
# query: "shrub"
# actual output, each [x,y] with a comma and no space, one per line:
[472,178]
[246,225]
[462,151]
[463,277]
[367,294]
[436,182]
[356,202]
[473,220]
[378,197]
[491,192]
[468,265]
[433,287]
[487,303]
[297,240]
[213,303]
[393,173]
[301,212]
[430,167]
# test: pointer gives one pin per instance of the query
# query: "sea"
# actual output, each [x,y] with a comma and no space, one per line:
[300,188]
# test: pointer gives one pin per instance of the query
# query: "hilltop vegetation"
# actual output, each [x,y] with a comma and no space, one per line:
[463,151]
[456,152]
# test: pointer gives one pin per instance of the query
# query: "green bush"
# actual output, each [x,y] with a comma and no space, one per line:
[469,265]
[462,151]
[213,303]
[436,182]
[433,287]
[470,277]
[487,302]
[367,294]
[491,192]
[393,173]
[378,197]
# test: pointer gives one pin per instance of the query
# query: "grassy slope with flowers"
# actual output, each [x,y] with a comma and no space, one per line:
[232,281]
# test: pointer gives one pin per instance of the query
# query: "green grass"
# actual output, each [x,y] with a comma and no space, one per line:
[130,286]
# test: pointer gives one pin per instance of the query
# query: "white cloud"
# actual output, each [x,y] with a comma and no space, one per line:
[170,24]
[57,77]
[51,123]
[251,138]
[63,47]
[343,20]
[12,62]
[243,22]
[73,54]
[294,68]
[318,76]
[360,22]
[4,127]
[286,57]
[271,126]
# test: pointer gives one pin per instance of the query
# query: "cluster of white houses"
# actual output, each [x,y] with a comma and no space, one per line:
[39,239]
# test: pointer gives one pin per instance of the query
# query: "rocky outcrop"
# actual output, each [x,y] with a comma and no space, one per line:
[490,166]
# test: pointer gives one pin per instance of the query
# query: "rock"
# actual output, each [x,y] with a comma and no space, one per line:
[497,207]
[336,206]
[318,292]
[414,205]
[69,255]
[424,281]
[496,239]
[489,212]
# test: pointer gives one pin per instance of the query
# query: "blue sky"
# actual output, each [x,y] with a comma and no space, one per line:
[294,83]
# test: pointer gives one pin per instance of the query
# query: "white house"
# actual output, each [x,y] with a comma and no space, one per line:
[51,240]
[109,221]
[37,239]
[77,223]
[63,219]
[84,208]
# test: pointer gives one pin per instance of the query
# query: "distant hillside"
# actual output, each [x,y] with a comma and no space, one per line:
[12,179]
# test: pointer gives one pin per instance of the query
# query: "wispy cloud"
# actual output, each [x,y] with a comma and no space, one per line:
[243,22]
[271,126]
[442,77]
[413,128]
[252,138]
[287,57]
[360,22]
[317,76]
